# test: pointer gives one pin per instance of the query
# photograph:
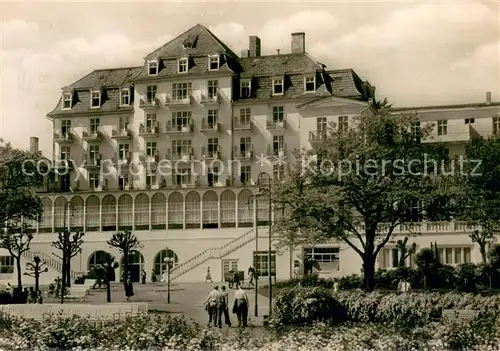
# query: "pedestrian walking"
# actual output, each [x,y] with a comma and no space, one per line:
[129,289]
[223,308]
[240,306]
[143,277]
[251,275]
[211,305]
[208,276]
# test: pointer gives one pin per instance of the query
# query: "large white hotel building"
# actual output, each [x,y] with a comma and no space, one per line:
[219,119]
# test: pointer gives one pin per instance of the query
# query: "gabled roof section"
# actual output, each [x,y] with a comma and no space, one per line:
[199,40]
[346,83]
[273,65]
[105,78]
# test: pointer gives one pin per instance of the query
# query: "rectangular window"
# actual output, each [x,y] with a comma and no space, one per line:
[278,144]
[94,180]
[279,171]
[213,176]
[94,125]
[213,62]
[212,118]
[151,177]
[245,174]
[213,89]
[181,91]
[67,101]
[442,127]
[245,116]
[96,99]
[213,146]
[455,255]
[125,97]
[151,94]
[65,153]
[123,125]
[343,124]
[151,148]
[327,257]
[181,119]
[245,89]
[65,128]
[416,131]
[278,87]
[321,127]
[153,68]
[6,264]
[150,121]
[182,177]
[183,65]
[310,84]
[261,263]
[278,114]
[469,121]
[496,125]
[123,151]
[245,145]
[181,147]
[94,153]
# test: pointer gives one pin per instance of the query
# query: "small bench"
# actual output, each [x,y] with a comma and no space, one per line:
[77,292]
[452,315]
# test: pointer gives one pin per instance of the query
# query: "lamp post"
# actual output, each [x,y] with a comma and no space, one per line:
[256,304]
[169,261]
[263,180]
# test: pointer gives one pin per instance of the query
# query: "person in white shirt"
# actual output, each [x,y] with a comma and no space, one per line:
[240,306]
[211,305]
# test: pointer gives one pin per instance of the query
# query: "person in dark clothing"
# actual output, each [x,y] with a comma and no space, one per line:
[236,280]
[222,308]
[153,276]
[143,277]
[251,275]
[129,289]
[240,306]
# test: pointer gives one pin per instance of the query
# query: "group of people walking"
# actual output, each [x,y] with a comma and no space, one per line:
[217,305]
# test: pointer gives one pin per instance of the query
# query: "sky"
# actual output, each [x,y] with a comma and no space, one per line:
[415,53]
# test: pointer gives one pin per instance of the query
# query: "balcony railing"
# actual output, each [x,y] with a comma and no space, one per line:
[243,155]
[213,154]
[153,103]
[121,134]
[92,135]
[238,126]
[183,156]
[120,161]
[173,100]
[63,138]
[461,133]
[151,158]
[93,161]
[272,123]
[149,130]
[179,129]
[208,99]
[277,151]
[210,126]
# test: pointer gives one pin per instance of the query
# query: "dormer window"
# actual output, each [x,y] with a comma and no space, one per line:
[213,62]
[153,68]
[309,84]
[183,65]
[278,88]
[125,97]
[67,101]
[245,89]
[96,99]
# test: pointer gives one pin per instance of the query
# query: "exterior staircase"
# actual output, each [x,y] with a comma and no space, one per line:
[49,261]
[211,253]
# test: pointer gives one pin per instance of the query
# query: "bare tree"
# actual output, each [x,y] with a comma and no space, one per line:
[70,246]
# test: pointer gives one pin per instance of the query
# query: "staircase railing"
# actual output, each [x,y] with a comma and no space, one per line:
[52,262]
[212,253]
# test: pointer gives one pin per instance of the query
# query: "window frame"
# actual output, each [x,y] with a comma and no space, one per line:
[127,96]
[180,63]
[275,81]
[210,58]
[306,82]
[64,101]
[442,126]
[92,92]
[150,63]
[244,81]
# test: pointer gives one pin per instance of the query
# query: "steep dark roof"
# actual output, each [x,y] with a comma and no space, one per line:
[346,83]
[203,42]
[104,78]
[279,64]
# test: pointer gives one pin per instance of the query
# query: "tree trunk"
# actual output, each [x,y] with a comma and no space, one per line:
[125,269]
[108,285]
[19,274]
[369,272]
[37,279]
[63,269]
[482,250]
[68,271]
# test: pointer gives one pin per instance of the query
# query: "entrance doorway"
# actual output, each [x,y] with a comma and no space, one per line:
[135,265]
[228,265]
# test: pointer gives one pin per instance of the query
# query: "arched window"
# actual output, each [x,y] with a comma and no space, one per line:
[125,212]
[160,264]
[228,209]
[96,258]
[135,265]
[77,217]
[193,210]
[109,213]
[159,211]
[245,209]
[92,215]
[175,211]
[210,210]
[141,209]
[45,225]
[60,214]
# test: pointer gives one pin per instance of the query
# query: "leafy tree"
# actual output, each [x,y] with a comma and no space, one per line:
[16,238]
[35,269]
[70,246]
[404,251]
[358,185]
[125,242]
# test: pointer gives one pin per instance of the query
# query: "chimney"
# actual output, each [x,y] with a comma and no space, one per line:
[298,43]
[254,46]
[33,145]
[244,53]
[488,98]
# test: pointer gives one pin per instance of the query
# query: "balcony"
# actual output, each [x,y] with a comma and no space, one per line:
[279,152]
[93,162]
[149,130]
[317,136]
[150,159]
[210,99]
[243,155]
[179,129]
[176,100]
[122,161]
[210,155]
[181,156]
[121,134]
[274,124]
[63,137]
[242,127]
[207,127]
[149,104]
[457,134]
[92,135]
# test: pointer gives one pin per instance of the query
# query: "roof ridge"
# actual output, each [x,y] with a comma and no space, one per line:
[171,40]
[220,42]
[115,68]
